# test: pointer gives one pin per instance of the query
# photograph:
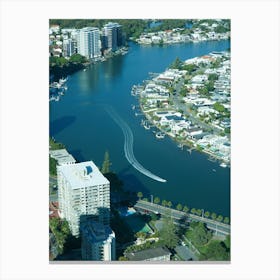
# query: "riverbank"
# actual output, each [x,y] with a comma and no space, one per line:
[191,104]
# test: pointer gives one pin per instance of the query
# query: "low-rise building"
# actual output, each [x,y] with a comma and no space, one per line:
[62,157]
[154,254]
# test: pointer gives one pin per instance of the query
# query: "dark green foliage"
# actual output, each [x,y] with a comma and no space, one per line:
[168,234]
[61,231]
[216,251]
[77,58]
[200,234]
[213,77]
[219,107]
[52,166]
[176,64]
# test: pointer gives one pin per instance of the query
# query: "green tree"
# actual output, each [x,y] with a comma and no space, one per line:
[52,166]
[122,258]
[157,200]
[169,204]
[176,64]
[213,77]
[179,207]
[77,58]
[186,209]
[200,234]
[213,216]
[226,220]
[168,233]
[106,163]
[207,214]
[198,212]
[193,211]
[164,203]
[140,195]
[220,218]
[215,251]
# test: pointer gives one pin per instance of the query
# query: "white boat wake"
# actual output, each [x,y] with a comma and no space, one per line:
[128,145]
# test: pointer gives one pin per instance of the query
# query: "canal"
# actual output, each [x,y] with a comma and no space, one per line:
[82,121]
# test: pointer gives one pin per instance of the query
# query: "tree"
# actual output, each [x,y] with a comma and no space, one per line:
[200,234]
[219,107]
[122,258]
[193,211]
[139,195]
[176,64]
[179,207]
[157,200]
[106,163]
[77,58]
[169,204]
[226,220]
[213,216]
[207,214]
[168,233]
[186,209]
[219,218]
[164,203]
[215,251]
[198,212]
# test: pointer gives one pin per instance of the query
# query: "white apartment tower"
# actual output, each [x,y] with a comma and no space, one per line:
[88,42]
[82,192]
[98,242]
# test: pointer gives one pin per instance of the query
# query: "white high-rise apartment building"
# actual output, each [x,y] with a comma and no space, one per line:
[98,242]
[88,42]
[82,192]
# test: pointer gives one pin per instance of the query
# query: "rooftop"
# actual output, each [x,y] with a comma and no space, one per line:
[62,156]
[82,174]
[148,254]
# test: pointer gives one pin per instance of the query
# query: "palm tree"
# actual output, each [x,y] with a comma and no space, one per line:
[139,195]
[179,207]
[193,211]
[198,212]
[226,220]
[207,214]
[220,218]
[186,209]
[164,203]
[213,216]
[157,200]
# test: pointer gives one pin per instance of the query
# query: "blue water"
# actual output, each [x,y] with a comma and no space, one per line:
[81,122]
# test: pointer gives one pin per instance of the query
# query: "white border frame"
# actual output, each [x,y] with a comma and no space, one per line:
[24,138]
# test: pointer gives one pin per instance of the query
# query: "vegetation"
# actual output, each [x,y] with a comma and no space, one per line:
[61,67]
[139,195]
[168,233]
[176,64]
[52,166]
[219,107]
[199,234]
[156,200]
[106,163]
[61,231]
[55,145]
[216,251]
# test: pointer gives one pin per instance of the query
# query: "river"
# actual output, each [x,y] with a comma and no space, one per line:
[83,122]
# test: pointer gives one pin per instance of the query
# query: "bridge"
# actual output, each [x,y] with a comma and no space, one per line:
[181,217]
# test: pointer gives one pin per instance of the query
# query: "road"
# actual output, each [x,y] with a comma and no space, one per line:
[218,228]
[177,101]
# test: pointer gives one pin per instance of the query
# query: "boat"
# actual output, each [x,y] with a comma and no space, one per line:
[146,126]
[223,165]
[160,135]
[214,170]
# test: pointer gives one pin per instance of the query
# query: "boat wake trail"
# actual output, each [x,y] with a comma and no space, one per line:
[128,145]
